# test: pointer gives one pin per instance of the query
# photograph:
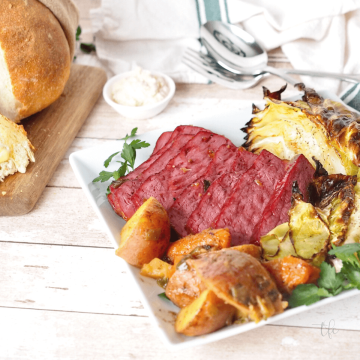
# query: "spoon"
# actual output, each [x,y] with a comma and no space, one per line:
[238,51]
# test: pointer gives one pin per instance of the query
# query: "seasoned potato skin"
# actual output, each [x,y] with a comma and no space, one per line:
[146,235]
[157,269]
[219,238]
[184,287]
[253,250]
[240,280]
[290,272]
[206,314]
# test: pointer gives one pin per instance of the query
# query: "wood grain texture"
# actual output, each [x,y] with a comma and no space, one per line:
[94,280]
[52,131]
[76,336]
[92,319]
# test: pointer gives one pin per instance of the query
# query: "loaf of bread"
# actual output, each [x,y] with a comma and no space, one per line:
[35,58]
[16,150]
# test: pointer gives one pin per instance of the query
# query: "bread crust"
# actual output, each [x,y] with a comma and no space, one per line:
[36,53]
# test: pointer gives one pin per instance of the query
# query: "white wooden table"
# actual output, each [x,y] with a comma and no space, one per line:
[65,295]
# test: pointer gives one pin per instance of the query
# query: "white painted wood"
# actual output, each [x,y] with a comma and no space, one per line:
[64,176]
[94,280]
[66,278]
[64,335]
[61,216]
[58,302]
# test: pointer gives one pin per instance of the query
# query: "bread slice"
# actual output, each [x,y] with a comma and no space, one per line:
[34,58]
[16,150]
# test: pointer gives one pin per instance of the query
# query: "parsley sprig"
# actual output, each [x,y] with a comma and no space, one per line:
[331,283]
[128,154]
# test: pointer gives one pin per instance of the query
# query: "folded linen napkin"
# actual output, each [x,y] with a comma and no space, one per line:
[314,35]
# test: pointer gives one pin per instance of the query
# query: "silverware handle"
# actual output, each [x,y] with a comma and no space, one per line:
[281,73]
[344,77]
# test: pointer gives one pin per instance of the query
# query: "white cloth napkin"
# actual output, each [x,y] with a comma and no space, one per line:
[314,34]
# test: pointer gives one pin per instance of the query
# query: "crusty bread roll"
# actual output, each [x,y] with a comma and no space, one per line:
[34,58]
[16,150]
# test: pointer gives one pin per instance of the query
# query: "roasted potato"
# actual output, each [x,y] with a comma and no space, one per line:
[253,250]
[290,272]
[146,235]
[240,280]
[157,269]
[206,314]
[183,287]
[219,238]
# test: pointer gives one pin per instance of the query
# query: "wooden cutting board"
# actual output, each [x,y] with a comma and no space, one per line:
[52,131]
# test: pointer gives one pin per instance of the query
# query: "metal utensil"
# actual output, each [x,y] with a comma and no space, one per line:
[236,50]
[208,67]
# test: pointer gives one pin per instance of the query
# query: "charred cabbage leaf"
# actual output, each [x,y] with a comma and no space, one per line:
[335,196]
[312,126]
[353,231]
[307,230]
[277,244]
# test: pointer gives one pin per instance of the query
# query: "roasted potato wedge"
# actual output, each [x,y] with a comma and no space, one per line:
[206,314]
[290,272]
[183,287]
[240,280]
[157,269]
[146,235]
[219,238]
[253,250]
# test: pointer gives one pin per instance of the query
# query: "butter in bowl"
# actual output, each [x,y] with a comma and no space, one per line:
[139,94]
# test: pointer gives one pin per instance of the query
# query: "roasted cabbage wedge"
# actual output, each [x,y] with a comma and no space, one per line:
[335,196]
[308,231]
[313,126]
[306,235]
[353,231]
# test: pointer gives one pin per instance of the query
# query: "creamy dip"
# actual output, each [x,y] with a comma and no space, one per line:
[139,89]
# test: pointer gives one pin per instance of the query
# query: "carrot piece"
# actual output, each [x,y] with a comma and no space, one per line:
[290,272]
[219,238]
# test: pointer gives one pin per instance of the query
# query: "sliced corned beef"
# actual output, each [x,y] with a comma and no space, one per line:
[128,188]
[251,194]
[161,141]
[187,201]
[181,171]
[276,212]
[115,197]
[212,202]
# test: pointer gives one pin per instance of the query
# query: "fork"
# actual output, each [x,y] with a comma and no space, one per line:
[208,67]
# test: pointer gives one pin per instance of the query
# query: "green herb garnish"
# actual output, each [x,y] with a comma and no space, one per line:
[84,47]
[87,47]
[163,296]
[78,33]
[331,283]
[128,154]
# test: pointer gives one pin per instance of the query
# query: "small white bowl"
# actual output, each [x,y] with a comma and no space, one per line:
[138,112]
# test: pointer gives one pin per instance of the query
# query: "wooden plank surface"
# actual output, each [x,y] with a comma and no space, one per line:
[77,336]
[64,295]
[51,132]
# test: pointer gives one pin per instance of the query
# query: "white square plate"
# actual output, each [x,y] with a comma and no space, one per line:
[88,163]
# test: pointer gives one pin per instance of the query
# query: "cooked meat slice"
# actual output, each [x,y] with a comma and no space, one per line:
[127,188]
[162,140]
[211,204]
[276,212]
[181,171]
[119,199]
[251,194]
[186,203]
